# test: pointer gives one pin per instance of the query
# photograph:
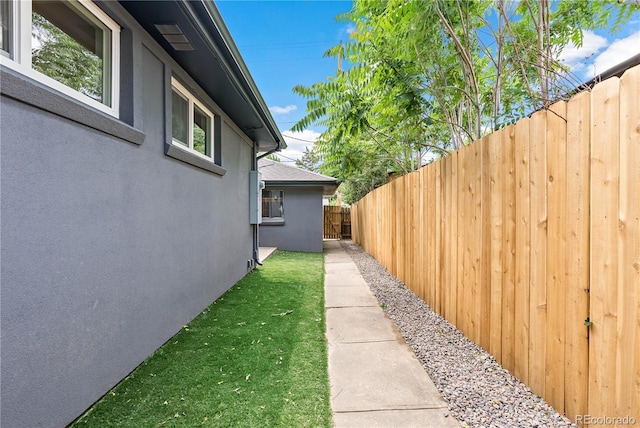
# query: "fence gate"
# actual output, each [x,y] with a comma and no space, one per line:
[337,222]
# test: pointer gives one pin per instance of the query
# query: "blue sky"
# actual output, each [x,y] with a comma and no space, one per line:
[283,42]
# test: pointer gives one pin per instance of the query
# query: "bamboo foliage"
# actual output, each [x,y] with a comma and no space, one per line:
[528,241]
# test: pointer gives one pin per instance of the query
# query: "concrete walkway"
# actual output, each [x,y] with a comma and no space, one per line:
[376,380]
[265,252]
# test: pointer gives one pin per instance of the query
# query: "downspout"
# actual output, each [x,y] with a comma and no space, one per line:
[256,242]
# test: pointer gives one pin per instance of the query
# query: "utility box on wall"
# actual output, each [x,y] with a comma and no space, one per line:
[255,196]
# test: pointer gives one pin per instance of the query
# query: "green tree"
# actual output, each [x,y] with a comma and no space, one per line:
[426,77]
[310,160]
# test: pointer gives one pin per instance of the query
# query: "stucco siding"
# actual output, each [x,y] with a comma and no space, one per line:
[303,221]
[108,248]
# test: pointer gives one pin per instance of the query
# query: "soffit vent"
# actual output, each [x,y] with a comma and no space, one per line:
[174,35]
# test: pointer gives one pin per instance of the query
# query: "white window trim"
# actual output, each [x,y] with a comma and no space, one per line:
[193,101]
[21,51]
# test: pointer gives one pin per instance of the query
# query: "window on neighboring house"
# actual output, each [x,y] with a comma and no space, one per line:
[273,204]
[191,121]
[71,46]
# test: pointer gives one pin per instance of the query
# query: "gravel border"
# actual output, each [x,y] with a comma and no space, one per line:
[480,393]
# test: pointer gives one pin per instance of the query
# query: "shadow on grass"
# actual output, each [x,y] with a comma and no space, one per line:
[255,357]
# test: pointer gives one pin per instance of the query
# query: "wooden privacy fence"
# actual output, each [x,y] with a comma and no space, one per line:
[528,240]
[337,222]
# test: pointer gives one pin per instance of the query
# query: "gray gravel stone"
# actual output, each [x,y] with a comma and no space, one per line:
[480,393]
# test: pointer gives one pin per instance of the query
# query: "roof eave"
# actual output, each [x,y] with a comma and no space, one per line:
[236,66]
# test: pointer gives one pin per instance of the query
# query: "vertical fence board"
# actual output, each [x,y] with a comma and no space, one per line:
[410,232]
[462,224]
[577,249]
[474,240]
[379,204]
[408,236]
[537,270]
[496,182]
[399,235]
[354,224]
[415,267]
[523,249]
[414,205]
[445,243]
[605,158]
[628,348]
[469,243]
[382,200]
[453,241]
[406,220]
[508,250]
[556,253]
[368,223]
[423,218]
[432,246]
[375,219]
[438,237]
[485,242]
[395,225]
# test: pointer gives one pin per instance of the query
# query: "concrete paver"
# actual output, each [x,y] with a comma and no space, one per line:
[376,380]
[343,267]
[342,279]
[379,376]
[349,296]
[366,325]
[265,252]
[337,257]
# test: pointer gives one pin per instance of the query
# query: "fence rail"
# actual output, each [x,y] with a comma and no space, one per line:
[528,240]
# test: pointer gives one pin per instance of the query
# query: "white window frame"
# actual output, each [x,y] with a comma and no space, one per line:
[19,59]
[193,101]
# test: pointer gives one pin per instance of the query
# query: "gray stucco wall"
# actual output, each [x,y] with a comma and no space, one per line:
[302,228]
[108,247]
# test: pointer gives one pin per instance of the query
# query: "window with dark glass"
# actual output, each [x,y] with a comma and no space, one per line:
[180,118]
[201,132]
[273,203]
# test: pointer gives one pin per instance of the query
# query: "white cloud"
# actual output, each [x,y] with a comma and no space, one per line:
[617,52]
[297,142]
[283,110]
[575,57]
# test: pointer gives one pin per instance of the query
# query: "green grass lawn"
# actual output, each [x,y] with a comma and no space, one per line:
[257,357]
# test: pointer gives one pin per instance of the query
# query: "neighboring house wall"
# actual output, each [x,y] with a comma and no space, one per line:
[303,221]
[108,247]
